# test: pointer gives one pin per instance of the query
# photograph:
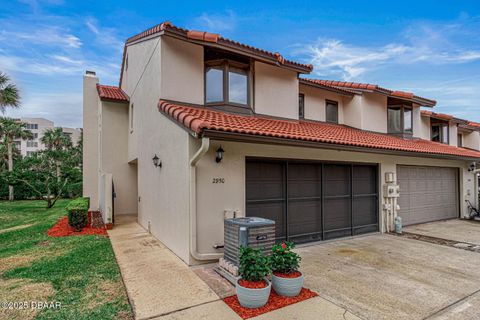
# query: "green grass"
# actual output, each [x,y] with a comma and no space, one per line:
[82,270]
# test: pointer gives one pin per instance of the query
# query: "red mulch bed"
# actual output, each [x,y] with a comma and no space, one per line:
[62,229]
[294,274]
[274,302]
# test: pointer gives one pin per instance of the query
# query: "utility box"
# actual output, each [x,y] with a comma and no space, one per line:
[248,232]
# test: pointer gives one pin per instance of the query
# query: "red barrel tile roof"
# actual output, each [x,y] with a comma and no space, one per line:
[111,93]
[199,119]
[377,88]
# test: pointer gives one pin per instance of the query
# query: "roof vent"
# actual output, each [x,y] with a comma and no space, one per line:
[89,72]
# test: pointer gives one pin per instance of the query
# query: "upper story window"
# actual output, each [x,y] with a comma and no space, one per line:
[440,132]
[399,119]
[227,79]
[301,106]
[31,126]
[131,118]
[460,140]
[331,110]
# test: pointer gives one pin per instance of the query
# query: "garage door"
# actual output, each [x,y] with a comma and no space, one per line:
[427,193]
[313,201]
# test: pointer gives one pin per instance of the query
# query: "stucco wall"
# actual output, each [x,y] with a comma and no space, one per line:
[182,71]
[472,140]
[425,130]
[315,103]
[374,109]
[162,192]
[276,91]
[91,115]
[213,199]
[417,129]
[114,156]
[453,132]
[352,111]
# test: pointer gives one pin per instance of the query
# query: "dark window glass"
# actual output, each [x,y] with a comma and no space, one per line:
[301,106]
[394,120]
[332,112]
[407,119]
[237,86]
[440,133]
[460,140]
[436,133]
[214,84]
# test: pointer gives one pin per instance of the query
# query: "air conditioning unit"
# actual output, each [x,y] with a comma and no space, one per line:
[248,232]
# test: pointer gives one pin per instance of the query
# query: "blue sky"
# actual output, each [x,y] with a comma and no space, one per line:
[429,47]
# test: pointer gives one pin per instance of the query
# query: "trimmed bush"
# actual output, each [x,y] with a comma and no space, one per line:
[253,264]
[78,213]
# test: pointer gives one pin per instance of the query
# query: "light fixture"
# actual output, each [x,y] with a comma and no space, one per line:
[156,161]
[219,156]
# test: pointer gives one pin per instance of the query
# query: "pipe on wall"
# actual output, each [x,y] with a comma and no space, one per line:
[193,204]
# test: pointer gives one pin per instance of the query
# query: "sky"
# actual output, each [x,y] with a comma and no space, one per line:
[431,48]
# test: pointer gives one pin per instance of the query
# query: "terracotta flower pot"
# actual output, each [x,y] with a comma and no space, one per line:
[289,287]
[109,226]
[253,298]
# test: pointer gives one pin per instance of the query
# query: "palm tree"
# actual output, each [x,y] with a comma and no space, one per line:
[56,140]
[9,94]
[9,130]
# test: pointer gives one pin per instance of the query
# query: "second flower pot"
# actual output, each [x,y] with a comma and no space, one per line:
[289,287]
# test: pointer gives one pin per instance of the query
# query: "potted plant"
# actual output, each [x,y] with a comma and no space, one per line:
[253,288]
[286,279]
[109,224]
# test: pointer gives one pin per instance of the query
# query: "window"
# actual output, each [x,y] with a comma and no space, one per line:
[440,133]
[30,153]
[131,117]
[31,126]
[399,119]
[35,135]
[226,83]
[32,144]
[460,140]
[301,106]
[331,110]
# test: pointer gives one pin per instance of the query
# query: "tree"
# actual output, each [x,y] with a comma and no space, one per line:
[9,94]
[9,130]
[57,142]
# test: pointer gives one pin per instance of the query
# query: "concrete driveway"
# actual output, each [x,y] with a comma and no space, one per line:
[389,277]
[466,231]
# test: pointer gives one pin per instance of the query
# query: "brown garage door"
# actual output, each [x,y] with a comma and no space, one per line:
[313,201]
[427,193]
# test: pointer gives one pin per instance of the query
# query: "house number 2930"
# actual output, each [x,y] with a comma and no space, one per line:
[218,180]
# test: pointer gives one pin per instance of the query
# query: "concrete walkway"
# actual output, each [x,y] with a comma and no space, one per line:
[160,286]
[465,231]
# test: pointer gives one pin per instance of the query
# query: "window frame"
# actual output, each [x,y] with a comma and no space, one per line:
[131,116]
[331,103]
[225,65]
[301,105]
[441,134]
[459,140]
[402,120]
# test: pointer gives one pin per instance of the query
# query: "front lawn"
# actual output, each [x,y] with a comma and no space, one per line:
[79,272]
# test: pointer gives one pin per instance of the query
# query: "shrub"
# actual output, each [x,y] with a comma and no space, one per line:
[283,259]
[78,213]
[253,264]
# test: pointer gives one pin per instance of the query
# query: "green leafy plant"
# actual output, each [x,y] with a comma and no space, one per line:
[78,213]
[283,259]
[254,265]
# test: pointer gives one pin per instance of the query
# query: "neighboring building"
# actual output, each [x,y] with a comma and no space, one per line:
[321,158]
[38,126]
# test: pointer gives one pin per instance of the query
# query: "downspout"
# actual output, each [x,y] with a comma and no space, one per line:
[193,205]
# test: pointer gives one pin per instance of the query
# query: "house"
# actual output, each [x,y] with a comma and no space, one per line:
[201,128]
[38,126]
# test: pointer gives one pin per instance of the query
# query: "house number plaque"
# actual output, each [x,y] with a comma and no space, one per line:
[218,180]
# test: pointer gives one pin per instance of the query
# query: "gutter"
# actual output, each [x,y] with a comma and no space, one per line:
[193,205]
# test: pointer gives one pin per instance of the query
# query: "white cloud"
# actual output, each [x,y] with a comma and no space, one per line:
[50,35]
[217,22]
[423,42]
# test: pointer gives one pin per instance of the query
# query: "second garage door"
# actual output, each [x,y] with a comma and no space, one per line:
[313,201]
[427,193]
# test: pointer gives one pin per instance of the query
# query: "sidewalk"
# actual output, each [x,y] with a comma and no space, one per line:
[160,286]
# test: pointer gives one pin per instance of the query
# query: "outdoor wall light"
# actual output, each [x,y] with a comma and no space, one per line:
[219,156]
[156,161]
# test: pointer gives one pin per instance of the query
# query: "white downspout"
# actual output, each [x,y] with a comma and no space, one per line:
[193,205]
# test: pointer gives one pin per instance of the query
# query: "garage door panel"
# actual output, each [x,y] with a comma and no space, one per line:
[291,194]
[427,193]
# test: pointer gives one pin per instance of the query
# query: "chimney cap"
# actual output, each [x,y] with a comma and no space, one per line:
[89,72]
